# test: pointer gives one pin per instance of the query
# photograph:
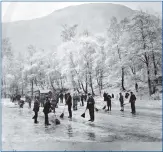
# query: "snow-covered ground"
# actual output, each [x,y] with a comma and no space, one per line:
[113,130]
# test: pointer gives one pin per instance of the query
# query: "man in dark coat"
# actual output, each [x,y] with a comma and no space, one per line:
[69,103]
[36,109]
[28,100]
[132,101]
[76,99]
[136,87]
[66,96]
[105,96]
[47,110]
[14,98]
[18,97]
[91,106]
[121,100]
[61,98]
[108,102]
[21,103]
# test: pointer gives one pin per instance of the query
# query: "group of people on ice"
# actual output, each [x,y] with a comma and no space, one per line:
[17,98]
[132,100]
[50,104]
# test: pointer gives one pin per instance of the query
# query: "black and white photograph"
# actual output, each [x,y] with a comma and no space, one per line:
[83,76]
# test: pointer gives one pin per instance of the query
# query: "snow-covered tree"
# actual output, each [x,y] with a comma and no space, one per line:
[143,29]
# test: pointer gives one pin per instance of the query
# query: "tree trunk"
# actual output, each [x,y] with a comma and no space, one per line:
[101,81]
[155,71]
[98,81]
[149,83]
[83,87]
[4,92]
[149,80]
[17,90]
[22,91]
[22,88]
[77,90]
[79,84]
[122,81]
[154,63]
[148,72]
[91,85]
[52,85]
[32,89]
[61,84]
[86,85]
[123,88]
[99,85]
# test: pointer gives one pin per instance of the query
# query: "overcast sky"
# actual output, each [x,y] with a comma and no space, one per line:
[14,11]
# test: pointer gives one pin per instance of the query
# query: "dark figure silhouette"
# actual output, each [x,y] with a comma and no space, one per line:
[132,101]
[90,106]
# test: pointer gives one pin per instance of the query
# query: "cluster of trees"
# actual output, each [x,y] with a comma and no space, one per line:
[128,52]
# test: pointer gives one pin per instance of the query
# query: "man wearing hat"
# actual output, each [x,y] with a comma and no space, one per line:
[36,109]
[47,110]
[108,102]
[90,106]
[132,101]
[69,103]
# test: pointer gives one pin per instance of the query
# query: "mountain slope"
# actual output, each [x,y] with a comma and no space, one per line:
[45,32]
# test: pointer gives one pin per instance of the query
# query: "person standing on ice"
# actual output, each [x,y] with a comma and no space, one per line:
[76,99]
[28,100]
[109,102]
[61,97]
[69,103]
[36,109]
[18,97]
[132,101]
[136,87]
[66,96]
[121,100]
[47,110]
[105,96]
[54,101]
[91,106]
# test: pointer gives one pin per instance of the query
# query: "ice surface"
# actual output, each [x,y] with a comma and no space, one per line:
[110,130]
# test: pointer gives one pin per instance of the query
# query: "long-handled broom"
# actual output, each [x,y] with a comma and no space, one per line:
[125,104]
[96,109]
[104,107]
[83,115]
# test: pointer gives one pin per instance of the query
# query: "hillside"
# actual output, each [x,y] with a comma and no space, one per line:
[45,32]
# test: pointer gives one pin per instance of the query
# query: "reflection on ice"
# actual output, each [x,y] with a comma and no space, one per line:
[91,136]
[70,131]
